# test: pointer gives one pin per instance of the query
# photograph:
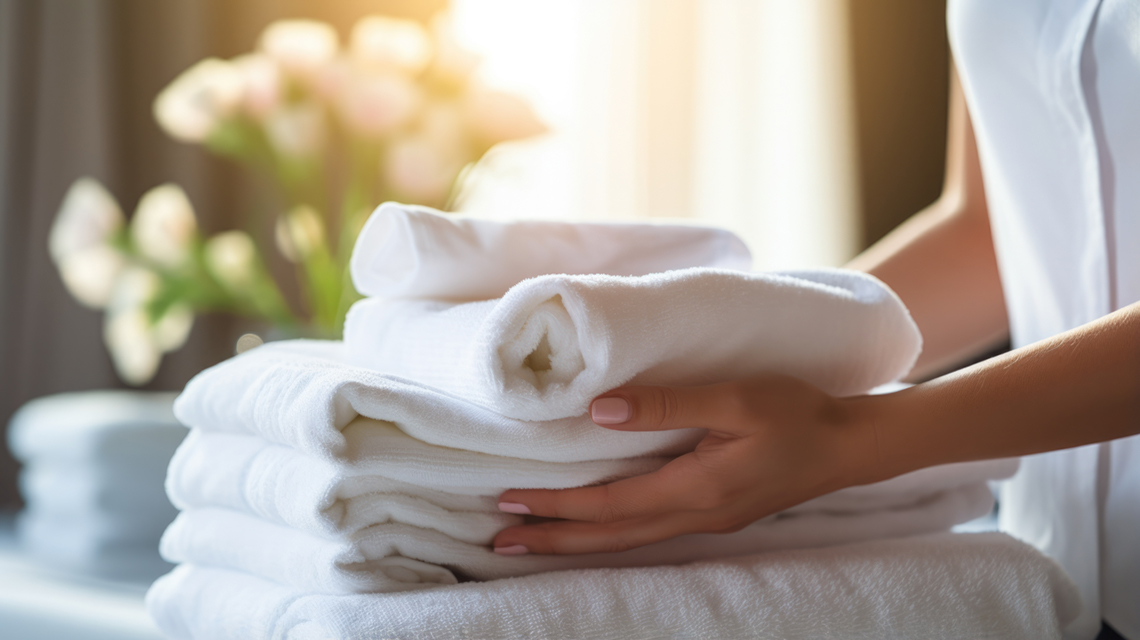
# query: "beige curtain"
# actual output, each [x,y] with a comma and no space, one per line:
[77,78]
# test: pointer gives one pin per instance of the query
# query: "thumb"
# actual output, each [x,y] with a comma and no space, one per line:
[662,408]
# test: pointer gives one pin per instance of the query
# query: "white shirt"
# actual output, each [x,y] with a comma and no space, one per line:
[1053,88]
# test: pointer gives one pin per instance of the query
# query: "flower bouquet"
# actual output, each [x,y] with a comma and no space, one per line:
[397,114]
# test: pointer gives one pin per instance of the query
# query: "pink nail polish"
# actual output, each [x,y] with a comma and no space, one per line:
[514,507]
[513,550]
[610,411]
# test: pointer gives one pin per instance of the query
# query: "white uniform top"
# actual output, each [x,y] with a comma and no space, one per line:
[1053,87]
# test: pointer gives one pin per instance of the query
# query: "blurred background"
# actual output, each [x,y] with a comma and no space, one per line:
[811,128]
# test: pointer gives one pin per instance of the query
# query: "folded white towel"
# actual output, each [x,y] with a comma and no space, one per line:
[950,586]
[410,251]
[93,544]
[109,427]
[87,487]
[301,394]
[551,344]
[359,562]
[281,485]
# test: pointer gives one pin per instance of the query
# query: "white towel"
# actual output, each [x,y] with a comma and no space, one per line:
[409,251]
[551,344]
[302,394]
[110,426]
[79,487]
[281,485]
[949,586]
[358,562]
[93,543]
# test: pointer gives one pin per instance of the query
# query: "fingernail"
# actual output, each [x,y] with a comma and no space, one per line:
[513,550]
[514,507]
[610,411]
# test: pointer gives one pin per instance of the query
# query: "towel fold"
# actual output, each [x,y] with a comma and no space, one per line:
[551,344]
[281,485]
[410,251]
[78,487]
[94,543]
[301,393]
[353,563]
[110,427]
[955,586]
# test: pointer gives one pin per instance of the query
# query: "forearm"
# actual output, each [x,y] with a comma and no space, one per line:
[1077,388]
[941,263]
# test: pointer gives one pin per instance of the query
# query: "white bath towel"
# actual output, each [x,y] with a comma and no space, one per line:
[410,251]
[281,485]
[94,543]
[88,487]
[302,393]
[946,586]
[358,562]
[111,427]
[551,344]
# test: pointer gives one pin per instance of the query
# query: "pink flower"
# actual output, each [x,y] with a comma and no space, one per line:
[376,103]
[495,116]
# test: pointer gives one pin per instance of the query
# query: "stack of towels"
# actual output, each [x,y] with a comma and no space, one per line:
[324,469]
[94,464]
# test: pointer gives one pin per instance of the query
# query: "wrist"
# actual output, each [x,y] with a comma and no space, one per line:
[870,457]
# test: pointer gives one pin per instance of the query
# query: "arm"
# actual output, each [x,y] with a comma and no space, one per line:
[774,441]
[941,262]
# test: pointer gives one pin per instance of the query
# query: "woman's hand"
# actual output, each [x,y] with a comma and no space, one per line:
[773,442]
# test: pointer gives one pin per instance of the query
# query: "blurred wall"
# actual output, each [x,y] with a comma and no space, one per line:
[901,66]
[76,84]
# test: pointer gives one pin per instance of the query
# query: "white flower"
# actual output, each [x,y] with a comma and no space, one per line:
[136,344]
[127,329]
[79,242]
[230,258]
[164,226]
[127,335]
[299,233]
[302,47]
[191,107]
[495,116]
[173,328]
[261,83]
[88,217]
[296,130]
[135,287]
[391,43]
[89,274]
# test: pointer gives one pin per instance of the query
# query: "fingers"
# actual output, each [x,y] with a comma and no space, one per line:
[591,537]
[677,485]
[717,407]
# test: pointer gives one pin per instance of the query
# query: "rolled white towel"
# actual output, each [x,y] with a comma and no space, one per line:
[952,586]
[346,564]
[551,344]
[281,485]
[410,251]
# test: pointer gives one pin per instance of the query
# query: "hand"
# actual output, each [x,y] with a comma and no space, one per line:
[773,442]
